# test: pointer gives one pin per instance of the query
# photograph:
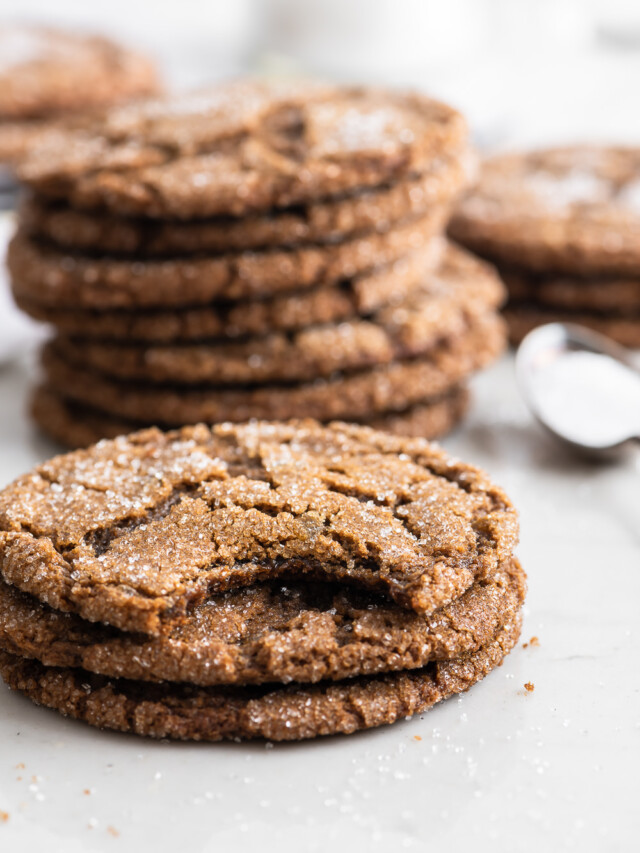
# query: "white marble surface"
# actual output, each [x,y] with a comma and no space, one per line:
[498,768]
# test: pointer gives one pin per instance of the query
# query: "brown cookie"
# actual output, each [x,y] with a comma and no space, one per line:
[354,396]
[573,210]
[600,295]
[430,419]
[19,137]
[522,318]
[325,220]
[327,304]
[45,72]
[48,276]
[399,331]
[293,712]
[54,82]
[138,530]
[74,425]
[270,632]
[244,146]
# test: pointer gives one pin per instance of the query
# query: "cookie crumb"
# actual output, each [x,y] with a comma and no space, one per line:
[534,641]
[20,765]
[86,792]
[417,737]
[529,686]
[112,831]
[4,817]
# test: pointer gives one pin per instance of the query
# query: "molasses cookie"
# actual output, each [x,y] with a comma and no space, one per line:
[523,317]
[353,396]
[292,712]
[600,294]
[333,303]
[72,424]
[244,147]
[137,531]
[574,210]
[270,632]
[47,73]
[325,220]
[48,276]
[399,331]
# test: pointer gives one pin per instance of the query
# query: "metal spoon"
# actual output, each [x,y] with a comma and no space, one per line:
[581,386]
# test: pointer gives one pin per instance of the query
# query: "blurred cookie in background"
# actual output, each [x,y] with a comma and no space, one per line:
[261,249]
[563,227]
[50,75]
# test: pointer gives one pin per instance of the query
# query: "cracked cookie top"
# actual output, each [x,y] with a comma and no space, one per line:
[244,146]
[135,531]
[574,209]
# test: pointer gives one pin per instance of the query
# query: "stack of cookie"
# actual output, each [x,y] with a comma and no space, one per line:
[563,226]
[264,580]
[262,250]
[47,75]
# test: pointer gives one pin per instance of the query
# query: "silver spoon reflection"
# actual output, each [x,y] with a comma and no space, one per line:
[581,386]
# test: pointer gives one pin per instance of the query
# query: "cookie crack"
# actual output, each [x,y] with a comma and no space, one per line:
[100,539]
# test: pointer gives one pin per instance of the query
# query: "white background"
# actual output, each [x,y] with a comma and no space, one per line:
[524,71]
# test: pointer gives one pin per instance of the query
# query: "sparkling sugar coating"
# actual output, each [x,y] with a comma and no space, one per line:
[343,300]
[134,531]
[459,291]
[243,146]
[293,712]
[48,276]
[325,220]
[298,631]
[355,396]
[567,209]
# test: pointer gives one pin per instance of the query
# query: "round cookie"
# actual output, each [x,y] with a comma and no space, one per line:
[19,137]
[393,332]
[44,71]
[601,295]
[305,632]
[329,304]
[52,81]
[325,220]
[242,147]
[74,425]
[246,146]
[429,419]
[141,529]
[573,210]
[293,712]
[47,276]
[521,319]
[356,396]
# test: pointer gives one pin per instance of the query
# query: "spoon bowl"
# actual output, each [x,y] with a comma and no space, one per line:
[581,386]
